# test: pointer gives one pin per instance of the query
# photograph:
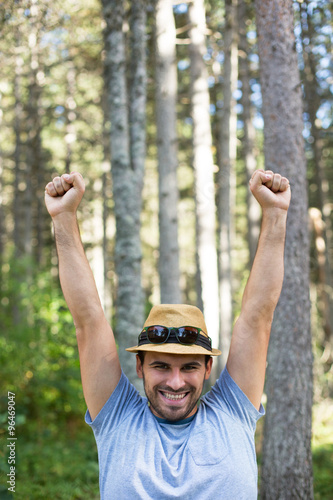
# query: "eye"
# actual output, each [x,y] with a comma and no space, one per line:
[189,368]
[161,367]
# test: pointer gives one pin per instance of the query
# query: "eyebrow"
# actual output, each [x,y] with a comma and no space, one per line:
[163,363]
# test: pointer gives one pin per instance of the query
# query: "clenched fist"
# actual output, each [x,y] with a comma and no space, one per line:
[271,190]
[63,194]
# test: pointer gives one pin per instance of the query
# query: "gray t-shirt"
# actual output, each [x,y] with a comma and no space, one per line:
[209,457]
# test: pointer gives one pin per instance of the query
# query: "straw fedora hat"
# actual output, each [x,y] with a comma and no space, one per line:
[176,316]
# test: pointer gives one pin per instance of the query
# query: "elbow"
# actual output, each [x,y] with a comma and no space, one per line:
[262,309]
[260,315]
[91,319]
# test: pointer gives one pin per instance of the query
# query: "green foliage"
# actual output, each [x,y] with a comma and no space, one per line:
[322,471]
[38,353]
[62,465]
[322,450]
[39,363]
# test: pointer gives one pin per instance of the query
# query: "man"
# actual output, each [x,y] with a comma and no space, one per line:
[167,446]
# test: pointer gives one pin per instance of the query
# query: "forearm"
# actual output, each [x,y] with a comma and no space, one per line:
[266,278]
[77,281]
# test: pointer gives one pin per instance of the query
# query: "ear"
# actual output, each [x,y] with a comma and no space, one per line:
[139,369]
[208,368]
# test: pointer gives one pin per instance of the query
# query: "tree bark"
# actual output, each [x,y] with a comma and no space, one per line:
[253,208]
[286,471]
[227,175]
[33,206]
[18,208]
[70,107]
[313,102]
[106,190]
[204,173]
[127,185]
[166,97]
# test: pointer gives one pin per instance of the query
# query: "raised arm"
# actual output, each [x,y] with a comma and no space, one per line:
[249,344]
[100,367]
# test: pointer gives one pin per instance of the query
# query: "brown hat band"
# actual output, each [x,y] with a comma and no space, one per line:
[202,340]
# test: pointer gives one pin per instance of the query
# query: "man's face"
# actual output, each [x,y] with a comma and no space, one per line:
[173,383]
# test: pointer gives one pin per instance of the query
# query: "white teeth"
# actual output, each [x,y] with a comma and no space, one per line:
[173,396]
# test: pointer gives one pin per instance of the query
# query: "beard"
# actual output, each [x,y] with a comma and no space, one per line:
[168,409]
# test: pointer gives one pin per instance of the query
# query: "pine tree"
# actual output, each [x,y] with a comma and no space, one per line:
[286,471]
[127,175]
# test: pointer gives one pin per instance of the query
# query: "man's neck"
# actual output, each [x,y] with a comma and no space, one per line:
[175,422]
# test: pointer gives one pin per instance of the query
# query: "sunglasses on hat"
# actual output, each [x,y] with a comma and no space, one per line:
[185,335]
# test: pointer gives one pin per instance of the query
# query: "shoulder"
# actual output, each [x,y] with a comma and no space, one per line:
[227,397]
[124,400]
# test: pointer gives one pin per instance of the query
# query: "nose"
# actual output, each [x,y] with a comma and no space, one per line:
[175,380]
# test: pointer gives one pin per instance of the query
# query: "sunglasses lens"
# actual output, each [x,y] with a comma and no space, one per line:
[187,335]
[157,334]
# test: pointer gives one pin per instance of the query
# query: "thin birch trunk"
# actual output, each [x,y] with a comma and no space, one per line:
[33,209]
[70,107]
[227,175]
[286,470]
[127,184]
[106,188]
[166,96]
[34,175]
[138,84]
[204,173]
[18,208]
[92,237]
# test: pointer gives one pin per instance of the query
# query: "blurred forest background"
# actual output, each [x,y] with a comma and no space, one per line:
[56,75]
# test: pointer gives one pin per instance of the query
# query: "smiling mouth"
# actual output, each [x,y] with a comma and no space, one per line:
[174,397]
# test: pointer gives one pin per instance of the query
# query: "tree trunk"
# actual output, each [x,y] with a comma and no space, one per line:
[166,96]
[70,107]
[127,184]
[92,237]
[33,206]
[313,102]
[253,208]
[204,173]
[2,218]
[318,227]
[106,196]
[286,471]
[18,208]
[138,84]
[227,175]
[18,201]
